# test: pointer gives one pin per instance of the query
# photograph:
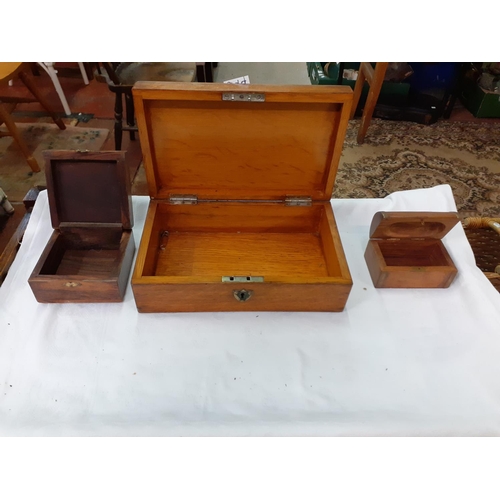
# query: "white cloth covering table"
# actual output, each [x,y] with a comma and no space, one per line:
[395,362]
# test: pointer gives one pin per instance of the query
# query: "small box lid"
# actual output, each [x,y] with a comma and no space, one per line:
[241,142]
[401,225]
[88,187]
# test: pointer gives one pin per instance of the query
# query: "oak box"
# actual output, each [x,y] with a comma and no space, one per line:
[240,179]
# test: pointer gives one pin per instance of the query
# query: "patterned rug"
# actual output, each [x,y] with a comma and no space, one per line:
[16,177]
[400,155]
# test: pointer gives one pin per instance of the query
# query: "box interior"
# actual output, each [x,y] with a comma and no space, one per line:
[94,252]
[414,253]
[211,240]
[237,150]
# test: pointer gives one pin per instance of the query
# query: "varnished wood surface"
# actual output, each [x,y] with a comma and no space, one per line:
[291,247]
[290,237]
[88,262]
[195,143]
[270,255]
[244,217]
[431,225]
[77,269]
[213,297]
[274,93]
[405,250]
[418,273]
[226,153]
[419,253]
[332,246]
[88,187]
[220,217]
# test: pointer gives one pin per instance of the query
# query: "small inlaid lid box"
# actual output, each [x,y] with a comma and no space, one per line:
[89,255]
[405,250]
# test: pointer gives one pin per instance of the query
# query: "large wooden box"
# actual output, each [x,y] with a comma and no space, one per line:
[240,179]
[89,255]
[405,250]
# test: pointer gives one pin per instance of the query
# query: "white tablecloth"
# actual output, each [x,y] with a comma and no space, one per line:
[395,362]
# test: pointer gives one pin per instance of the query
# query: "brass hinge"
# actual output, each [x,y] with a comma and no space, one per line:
[183,199]
[298,201]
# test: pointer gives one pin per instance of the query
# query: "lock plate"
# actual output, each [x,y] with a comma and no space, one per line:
[242,279]
[242,295]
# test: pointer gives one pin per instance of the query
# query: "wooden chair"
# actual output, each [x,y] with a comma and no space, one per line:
[52,72]
[121,77]
[9,71]
[205,71]
[375,78]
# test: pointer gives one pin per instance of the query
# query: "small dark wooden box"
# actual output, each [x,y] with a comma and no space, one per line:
[89,255]
[405,250]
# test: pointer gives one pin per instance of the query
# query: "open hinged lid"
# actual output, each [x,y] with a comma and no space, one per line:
[241,142]
[88,188]
[407,225]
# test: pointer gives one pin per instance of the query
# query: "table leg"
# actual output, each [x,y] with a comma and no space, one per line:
[14,132]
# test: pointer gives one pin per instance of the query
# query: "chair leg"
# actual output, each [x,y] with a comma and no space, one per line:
[200,72]
[14,132]
[209,72]
[49,68]
[26,79]
[358,89]
[129,104]
[118,121]
[83,71]
[371,100]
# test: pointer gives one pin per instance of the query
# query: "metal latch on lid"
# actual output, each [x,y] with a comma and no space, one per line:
[242,279]
[243,96]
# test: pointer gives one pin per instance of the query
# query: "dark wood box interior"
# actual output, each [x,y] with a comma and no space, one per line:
[417,253]
[92,252]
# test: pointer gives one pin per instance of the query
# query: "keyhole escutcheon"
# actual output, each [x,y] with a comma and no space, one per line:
[242,295]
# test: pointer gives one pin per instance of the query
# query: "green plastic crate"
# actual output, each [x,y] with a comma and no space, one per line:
[390,93]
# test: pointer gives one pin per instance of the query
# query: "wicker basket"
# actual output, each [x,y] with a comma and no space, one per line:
[485,243]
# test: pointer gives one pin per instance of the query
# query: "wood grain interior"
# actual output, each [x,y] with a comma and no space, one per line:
[235,239]
[92,252]
[416,253]
[241,150]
